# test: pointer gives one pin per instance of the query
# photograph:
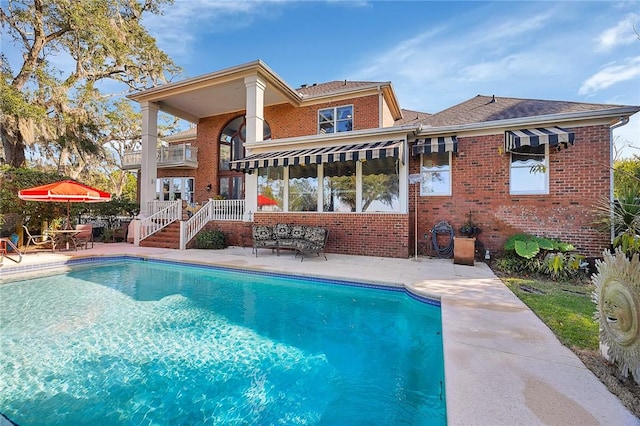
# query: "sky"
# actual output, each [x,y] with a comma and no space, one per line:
[436,54]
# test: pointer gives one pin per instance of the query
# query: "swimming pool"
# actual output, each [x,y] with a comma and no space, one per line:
[140,342]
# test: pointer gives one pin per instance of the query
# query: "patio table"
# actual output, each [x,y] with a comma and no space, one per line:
[63,239]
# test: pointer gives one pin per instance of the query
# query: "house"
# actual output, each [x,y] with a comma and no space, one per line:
[344,155]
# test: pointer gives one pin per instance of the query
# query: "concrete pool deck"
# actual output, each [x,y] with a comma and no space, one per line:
[503,366]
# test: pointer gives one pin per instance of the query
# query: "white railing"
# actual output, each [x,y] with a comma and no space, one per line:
[212,210]
[154,206]
[226,209]
[157,221]
[174,154]
[180,154]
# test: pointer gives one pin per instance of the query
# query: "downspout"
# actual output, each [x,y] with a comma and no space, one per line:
[621,122]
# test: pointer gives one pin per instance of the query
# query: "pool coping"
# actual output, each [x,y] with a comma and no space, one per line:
[503,366]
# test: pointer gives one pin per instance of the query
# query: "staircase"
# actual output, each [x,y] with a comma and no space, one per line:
[168,237]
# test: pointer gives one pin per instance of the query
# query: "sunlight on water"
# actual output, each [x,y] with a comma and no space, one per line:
[181,346]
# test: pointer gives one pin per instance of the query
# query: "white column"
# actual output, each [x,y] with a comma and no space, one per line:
[148,168]
[255,108]
[255,87]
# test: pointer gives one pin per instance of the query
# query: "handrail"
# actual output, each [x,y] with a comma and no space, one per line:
[157,221]
[194,224]
[4,252]
[175,154]
[222,210]
[155,206]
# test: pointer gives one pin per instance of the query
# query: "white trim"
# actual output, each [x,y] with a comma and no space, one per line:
[516,191]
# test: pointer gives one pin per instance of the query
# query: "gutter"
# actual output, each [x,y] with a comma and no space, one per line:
[402,131]
[528,121]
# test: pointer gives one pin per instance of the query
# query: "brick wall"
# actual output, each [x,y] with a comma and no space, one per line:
[284,120]
[237,233]
[384,235]
[578,177]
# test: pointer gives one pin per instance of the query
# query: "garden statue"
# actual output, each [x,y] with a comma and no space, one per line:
[617,295]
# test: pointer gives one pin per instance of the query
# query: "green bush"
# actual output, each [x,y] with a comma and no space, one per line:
[526,253]
[208,239]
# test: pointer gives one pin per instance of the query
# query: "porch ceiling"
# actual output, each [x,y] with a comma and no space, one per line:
[217,93]
[213,100]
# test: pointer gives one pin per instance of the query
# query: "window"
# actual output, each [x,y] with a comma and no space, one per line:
[175,188]
[339,187]
[349,186]
[231,187]
[271,188]
[303,188]
[380,186]
[231,146]
[436,174]
[333,120]
[529,172]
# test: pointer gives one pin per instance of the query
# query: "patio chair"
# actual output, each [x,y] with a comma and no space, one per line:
[120,233]
[85,236]
[37,240]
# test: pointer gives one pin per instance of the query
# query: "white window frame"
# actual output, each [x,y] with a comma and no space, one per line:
[320,204]
[335,118]
[184,193]
[515,190]
[425,169]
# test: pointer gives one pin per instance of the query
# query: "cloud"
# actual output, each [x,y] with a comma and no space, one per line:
[620,35]
[457,59]
[611,74]
[177,28]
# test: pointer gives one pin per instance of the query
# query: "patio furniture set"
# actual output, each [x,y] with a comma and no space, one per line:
[303,239]
[61,239]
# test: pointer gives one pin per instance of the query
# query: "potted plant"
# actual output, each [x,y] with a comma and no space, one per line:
[469,229]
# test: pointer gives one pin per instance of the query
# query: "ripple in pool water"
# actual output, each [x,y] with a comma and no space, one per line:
[147,343]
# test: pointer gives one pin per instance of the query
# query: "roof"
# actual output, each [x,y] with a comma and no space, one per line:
[345,88]
[336,86]
[411,117]
[184,135]
[492,108]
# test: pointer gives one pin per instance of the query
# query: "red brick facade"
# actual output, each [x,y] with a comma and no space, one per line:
[578,178]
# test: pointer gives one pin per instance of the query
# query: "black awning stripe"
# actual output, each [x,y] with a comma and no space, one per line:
[369,151]
[440,144]
[554,136]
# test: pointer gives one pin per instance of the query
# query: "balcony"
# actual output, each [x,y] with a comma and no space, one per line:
[179,156]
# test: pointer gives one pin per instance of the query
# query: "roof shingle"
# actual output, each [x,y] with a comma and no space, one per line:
[491,108]
[319,89]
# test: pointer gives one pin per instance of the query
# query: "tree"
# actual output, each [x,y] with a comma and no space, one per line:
[626,172]
[44,103]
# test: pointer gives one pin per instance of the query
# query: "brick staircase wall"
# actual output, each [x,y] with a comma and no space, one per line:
[168,237]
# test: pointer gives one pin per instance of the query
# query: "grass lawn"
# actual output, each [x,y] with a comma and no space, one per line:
[566,308]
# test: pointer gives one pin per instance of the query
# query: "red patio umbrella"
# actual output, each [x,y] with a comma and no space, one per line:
[68,191]
[263,200]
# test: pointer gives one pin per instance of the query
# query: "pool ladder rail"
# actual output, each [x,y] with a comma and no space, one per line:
[5,245]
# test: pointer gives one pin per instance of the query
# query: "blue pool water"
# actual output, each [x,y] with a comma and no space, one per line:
[150,343]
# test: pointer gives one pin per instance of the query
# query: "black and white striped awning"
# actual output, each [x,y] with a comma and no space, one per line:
[554,136]
[330,154]
[435,145]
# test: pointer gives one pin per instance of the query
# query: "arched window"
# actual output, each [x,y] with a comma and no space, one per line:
[231,143]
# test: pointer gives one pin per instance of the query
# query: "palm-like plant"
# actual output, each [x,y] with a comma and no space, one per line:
[623,216]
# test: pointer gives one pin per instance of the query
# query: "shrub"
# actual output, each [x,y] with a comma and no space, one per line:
[211,239]
[526,253]
[624,217]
